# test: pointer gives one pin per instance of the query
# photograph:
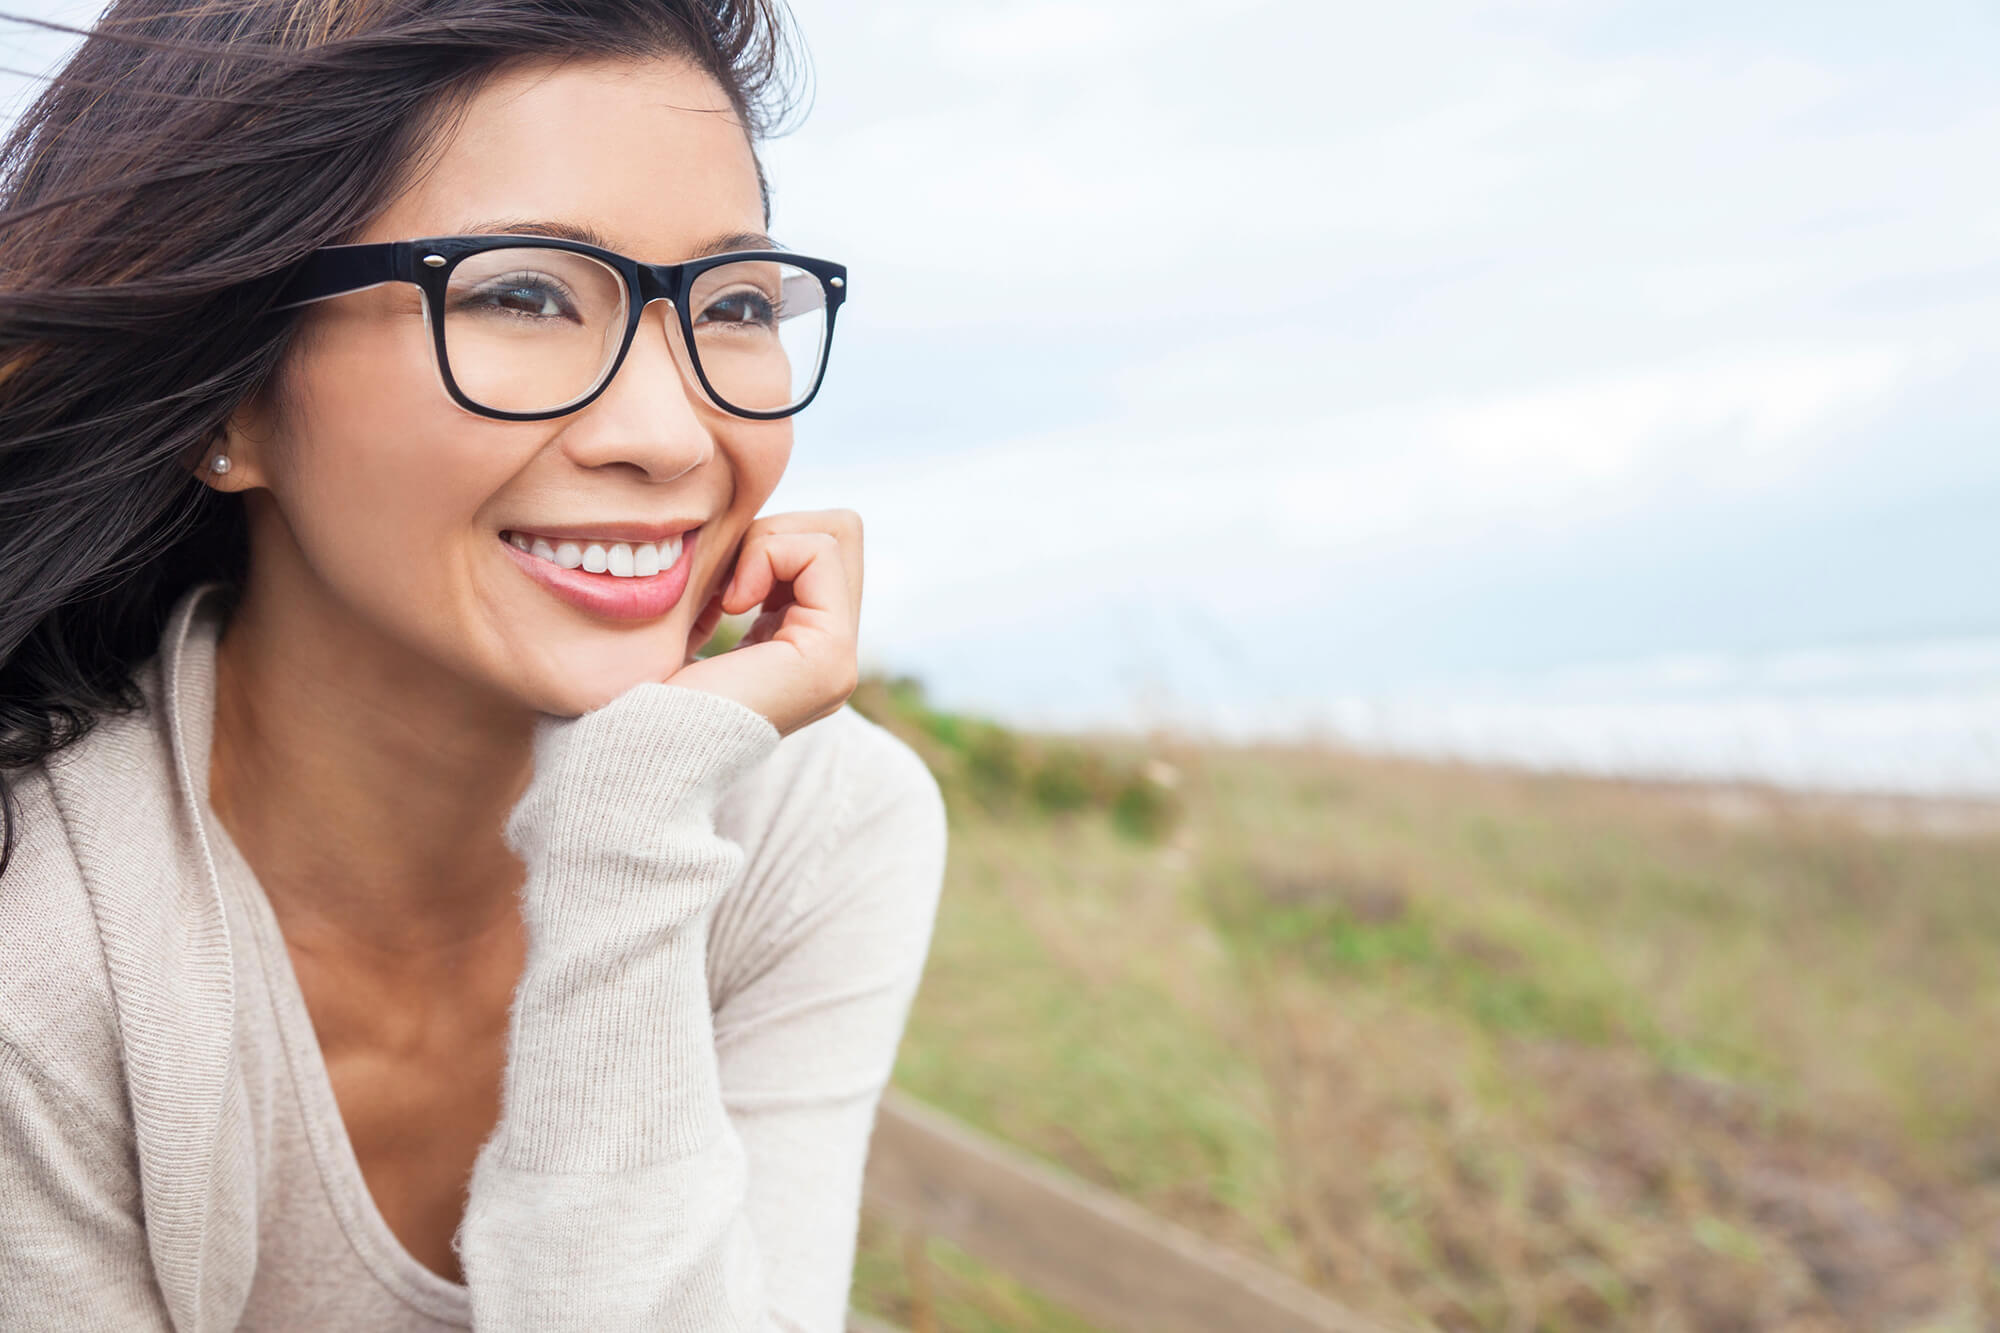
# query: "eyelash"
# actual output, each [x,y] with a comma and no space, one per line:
[525,279]
[775,316]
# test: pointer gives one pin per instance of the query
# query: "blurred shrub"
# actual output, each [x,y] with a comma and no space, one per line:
[1068,778]
[1006,774]
[1144,810]
[992,762]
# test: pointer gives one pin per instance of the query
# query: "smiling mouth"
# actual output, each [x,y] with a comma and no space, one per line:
[623,560]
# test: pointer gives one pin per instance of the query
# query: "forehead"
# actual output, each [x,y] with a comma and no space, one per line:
[646,153]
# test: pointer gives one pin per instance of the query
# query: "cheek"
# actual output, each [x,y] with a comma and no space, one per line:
[382,476]
[755,455]
[758,453]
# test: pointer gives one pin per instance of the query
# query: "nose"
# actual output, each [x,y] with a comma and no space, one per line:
[649,417]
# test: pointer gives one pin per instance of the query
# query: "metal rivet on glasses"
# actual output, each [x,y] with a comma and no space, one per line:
[434,261]
[838,282]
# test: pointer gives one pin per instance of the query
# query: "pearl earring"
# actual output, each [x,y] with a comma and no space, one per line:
[219,463]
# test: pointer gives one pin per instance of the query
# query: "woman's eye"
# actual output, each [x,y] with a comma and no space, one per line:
[531,296]
[745,307]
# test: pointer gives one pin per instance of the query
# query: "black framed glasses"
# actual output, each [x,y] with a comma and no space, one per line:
[530,327]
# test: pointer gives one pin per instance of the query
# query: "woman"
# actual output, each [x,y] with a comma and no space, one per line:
[403,928]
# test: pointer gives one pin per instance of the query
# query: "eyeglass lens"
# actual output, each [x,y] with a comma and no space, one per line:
[533,329]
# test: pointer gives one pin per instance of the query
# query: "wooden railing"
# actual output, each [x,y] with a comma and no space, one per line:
[1113,1263]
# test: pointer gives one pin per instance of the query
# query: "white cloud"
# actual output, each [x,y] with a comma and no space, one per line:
[1031,525]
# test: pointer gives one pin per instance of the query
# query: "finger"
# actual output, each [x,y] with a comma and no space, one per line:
[768,560]
[844,525]
[810,563]
[771,618]
[764,629]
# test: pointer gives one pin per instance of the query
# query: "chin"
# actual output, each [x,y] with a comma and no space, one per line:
[594,682]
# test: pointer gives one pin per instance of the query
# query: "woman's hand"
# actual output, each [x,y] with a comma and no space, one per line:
[799,661]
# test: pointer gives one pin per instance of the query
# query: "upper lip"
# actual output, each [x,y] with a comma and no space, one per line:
[617,532]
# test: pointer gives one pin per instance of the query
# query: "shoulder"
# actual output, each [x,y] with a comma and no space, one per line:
[834,781]
[56,1005]
[883,780]
[842,820]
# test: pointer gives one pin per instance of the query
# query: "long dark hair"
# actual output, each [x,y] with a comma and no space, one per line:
[153,199]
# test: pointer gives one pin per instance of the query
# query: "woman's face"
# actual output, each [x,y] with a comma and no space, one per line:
[388,502]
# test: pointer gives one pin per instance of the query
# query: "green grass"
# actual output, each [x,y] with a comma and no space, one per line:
[1094,1067]
[1470,1050]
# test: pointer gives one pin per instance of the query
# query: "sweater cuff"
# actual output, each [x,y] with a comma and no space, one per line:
[611,1062]
[619,776]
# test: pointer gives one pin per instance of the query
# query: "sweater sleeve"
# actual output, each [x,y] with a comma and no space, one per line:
[614,1192]
[72,1245]
[808,1041]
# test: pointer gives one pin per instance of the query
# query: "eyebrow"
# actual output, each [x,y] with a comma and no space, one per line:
[588,235]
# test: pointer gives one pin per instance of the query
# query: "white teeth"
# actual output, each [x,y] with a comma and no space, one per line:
[620,559]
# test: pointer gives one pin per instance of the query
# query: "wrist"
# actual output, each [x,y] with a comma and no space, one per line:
[618,777]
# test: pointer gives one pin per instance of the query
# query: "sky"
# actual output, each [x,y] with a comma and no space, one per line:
[1207,361]
[1292,350]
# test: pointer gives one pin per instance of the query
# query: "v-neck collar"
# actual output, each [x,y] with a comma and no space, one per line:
[191,706]
[367,1231]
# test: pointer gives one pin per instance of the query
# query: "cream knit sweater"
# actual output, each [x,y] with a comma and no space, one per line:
[726,930]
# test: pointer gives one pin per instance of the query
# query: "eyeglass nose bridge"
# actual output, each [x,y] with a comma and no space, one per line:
[659,282]
[662,282]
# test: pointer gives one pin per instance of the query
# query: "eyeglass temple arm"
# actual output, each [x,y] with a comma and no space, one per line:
[802,292]
[334,270]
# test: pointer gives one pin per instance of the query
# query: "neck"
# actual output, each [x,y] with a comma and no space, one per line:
[367,786]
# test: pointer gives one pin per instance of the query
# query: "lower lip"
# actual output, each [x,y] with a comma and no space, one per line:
[637,598]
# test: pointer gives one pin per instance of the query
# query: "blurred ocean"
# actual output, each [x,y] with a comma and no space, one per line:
[1919,718]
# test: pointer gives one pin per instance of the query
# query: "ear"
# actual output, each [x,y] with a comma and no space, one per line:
[242,440]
